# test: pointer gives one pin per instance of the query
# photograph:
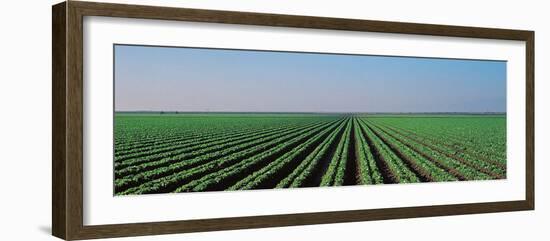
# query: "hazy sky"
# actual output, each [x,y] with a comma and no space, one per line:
[192,79]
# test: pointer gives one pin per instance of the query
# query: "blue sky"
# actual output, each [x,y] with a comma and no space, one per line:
[193,79]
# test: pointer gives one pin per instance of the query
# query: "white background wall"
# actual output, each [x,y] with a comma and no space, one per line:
[25,123]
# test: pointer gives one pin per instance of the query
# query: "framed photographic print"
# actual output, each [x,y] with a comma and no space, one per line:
[170,120]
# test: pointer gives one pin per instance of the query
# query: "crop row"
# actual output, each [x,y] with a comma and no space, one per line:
[162,144]
[350,150]
[196,149]
[192,169]
[482,137]
[452,165]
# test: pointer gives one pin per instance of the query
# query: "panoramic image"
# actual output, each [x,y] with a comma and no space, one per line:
[199,120]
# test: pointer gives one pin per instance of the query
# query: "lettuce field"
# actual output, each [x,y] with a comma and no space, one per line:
[197,152]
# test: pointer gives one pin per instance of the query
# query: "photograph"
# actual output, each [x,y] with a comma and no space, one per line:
[183,120]
[190,119]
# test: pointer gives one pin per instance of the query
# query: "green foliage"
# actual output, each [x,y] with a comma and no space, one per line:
[190,152]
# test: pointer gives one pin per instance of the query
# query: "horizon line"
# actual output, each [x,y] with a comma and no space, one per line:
[317,112]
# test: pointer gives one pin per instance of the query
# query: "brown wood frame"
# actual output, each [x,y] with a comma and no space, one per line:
[67,123]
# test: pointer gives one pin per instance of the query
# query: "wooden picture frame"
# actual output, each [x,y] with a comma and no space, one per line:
[67,124]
